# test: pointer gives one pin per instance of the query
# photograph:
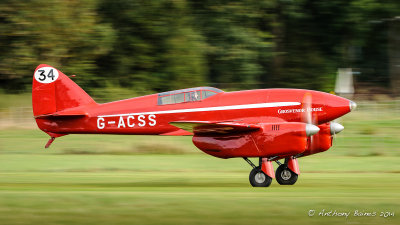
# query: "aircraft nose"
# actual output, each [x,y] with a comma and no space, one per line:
[353,105]
[335,107]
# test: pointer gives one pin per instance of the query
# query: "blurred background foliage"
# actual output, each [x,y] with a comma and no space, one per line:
[141,47]
[124,48]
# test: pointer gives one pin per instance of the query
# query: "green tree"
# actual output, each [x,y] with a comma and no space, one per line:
[64,34]
[320,36]
[156,48]
[238,39]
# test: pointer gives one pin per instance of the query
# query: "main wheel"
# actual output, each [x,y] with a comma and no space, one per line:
[284,176]
[258,178]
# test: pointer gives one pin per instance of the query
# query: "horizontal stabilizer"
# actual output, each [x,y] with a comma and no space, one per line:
[64,113]
[206,127]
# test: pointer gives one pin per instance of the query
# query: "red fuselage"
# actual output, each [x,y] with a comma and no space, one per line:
[145,116]
[142,115]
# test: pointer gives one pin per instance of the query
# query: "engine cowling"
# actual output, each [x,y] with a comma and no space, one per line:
[319,142]
[273,139]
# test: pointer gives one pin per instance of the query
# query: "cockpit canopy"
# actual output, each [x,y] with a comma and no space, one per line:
[186,95]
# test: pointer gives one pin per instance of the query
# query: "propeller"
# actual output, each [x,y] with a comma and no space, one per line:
[310,120]
[335,129]
[307,115]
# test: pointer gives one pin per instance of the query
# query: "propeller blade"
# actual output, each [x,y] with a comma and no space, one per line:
[335,128]
[311,120]
[306,106]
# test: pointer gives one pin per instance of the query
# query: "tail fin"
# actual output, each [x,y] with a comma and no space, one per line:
[53,91]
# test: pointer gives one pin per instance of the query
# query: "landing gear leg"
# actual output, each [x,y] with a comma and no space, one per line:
[257,177]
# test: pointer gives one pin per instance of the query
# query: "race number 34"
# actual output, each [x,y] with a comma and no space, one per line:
[46,75]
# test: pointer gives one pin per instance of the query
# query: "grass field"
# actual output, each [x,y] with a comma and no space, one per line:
[190,189]
[103,179]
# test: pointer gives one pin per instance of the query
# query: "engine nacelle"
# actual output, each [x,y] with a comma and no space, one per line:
[273,139]
[321,141]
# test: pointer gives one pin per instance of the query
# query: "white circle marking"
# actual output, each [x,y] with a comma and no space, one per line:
[46,75]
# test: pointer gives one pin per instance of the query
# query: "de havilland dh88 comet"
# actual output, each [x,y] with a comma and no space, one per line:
[268,124]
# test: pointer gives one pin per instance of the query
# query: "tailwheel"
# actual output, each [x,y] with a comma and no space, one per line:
[258,178]
[284,176]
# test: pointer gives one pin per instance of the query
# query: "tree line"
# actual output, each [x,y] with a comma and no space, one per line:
[160,45]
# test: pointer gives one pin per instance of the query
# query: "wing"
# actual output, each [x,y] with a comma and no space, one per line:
[207,127]
[179,132]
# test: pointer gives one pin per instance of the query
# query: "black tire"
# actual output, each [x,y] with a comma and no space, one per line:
[284,176]
[258,178]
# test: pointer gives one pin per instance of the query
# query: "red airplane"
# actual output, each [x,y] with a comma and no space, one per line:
[270,124]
